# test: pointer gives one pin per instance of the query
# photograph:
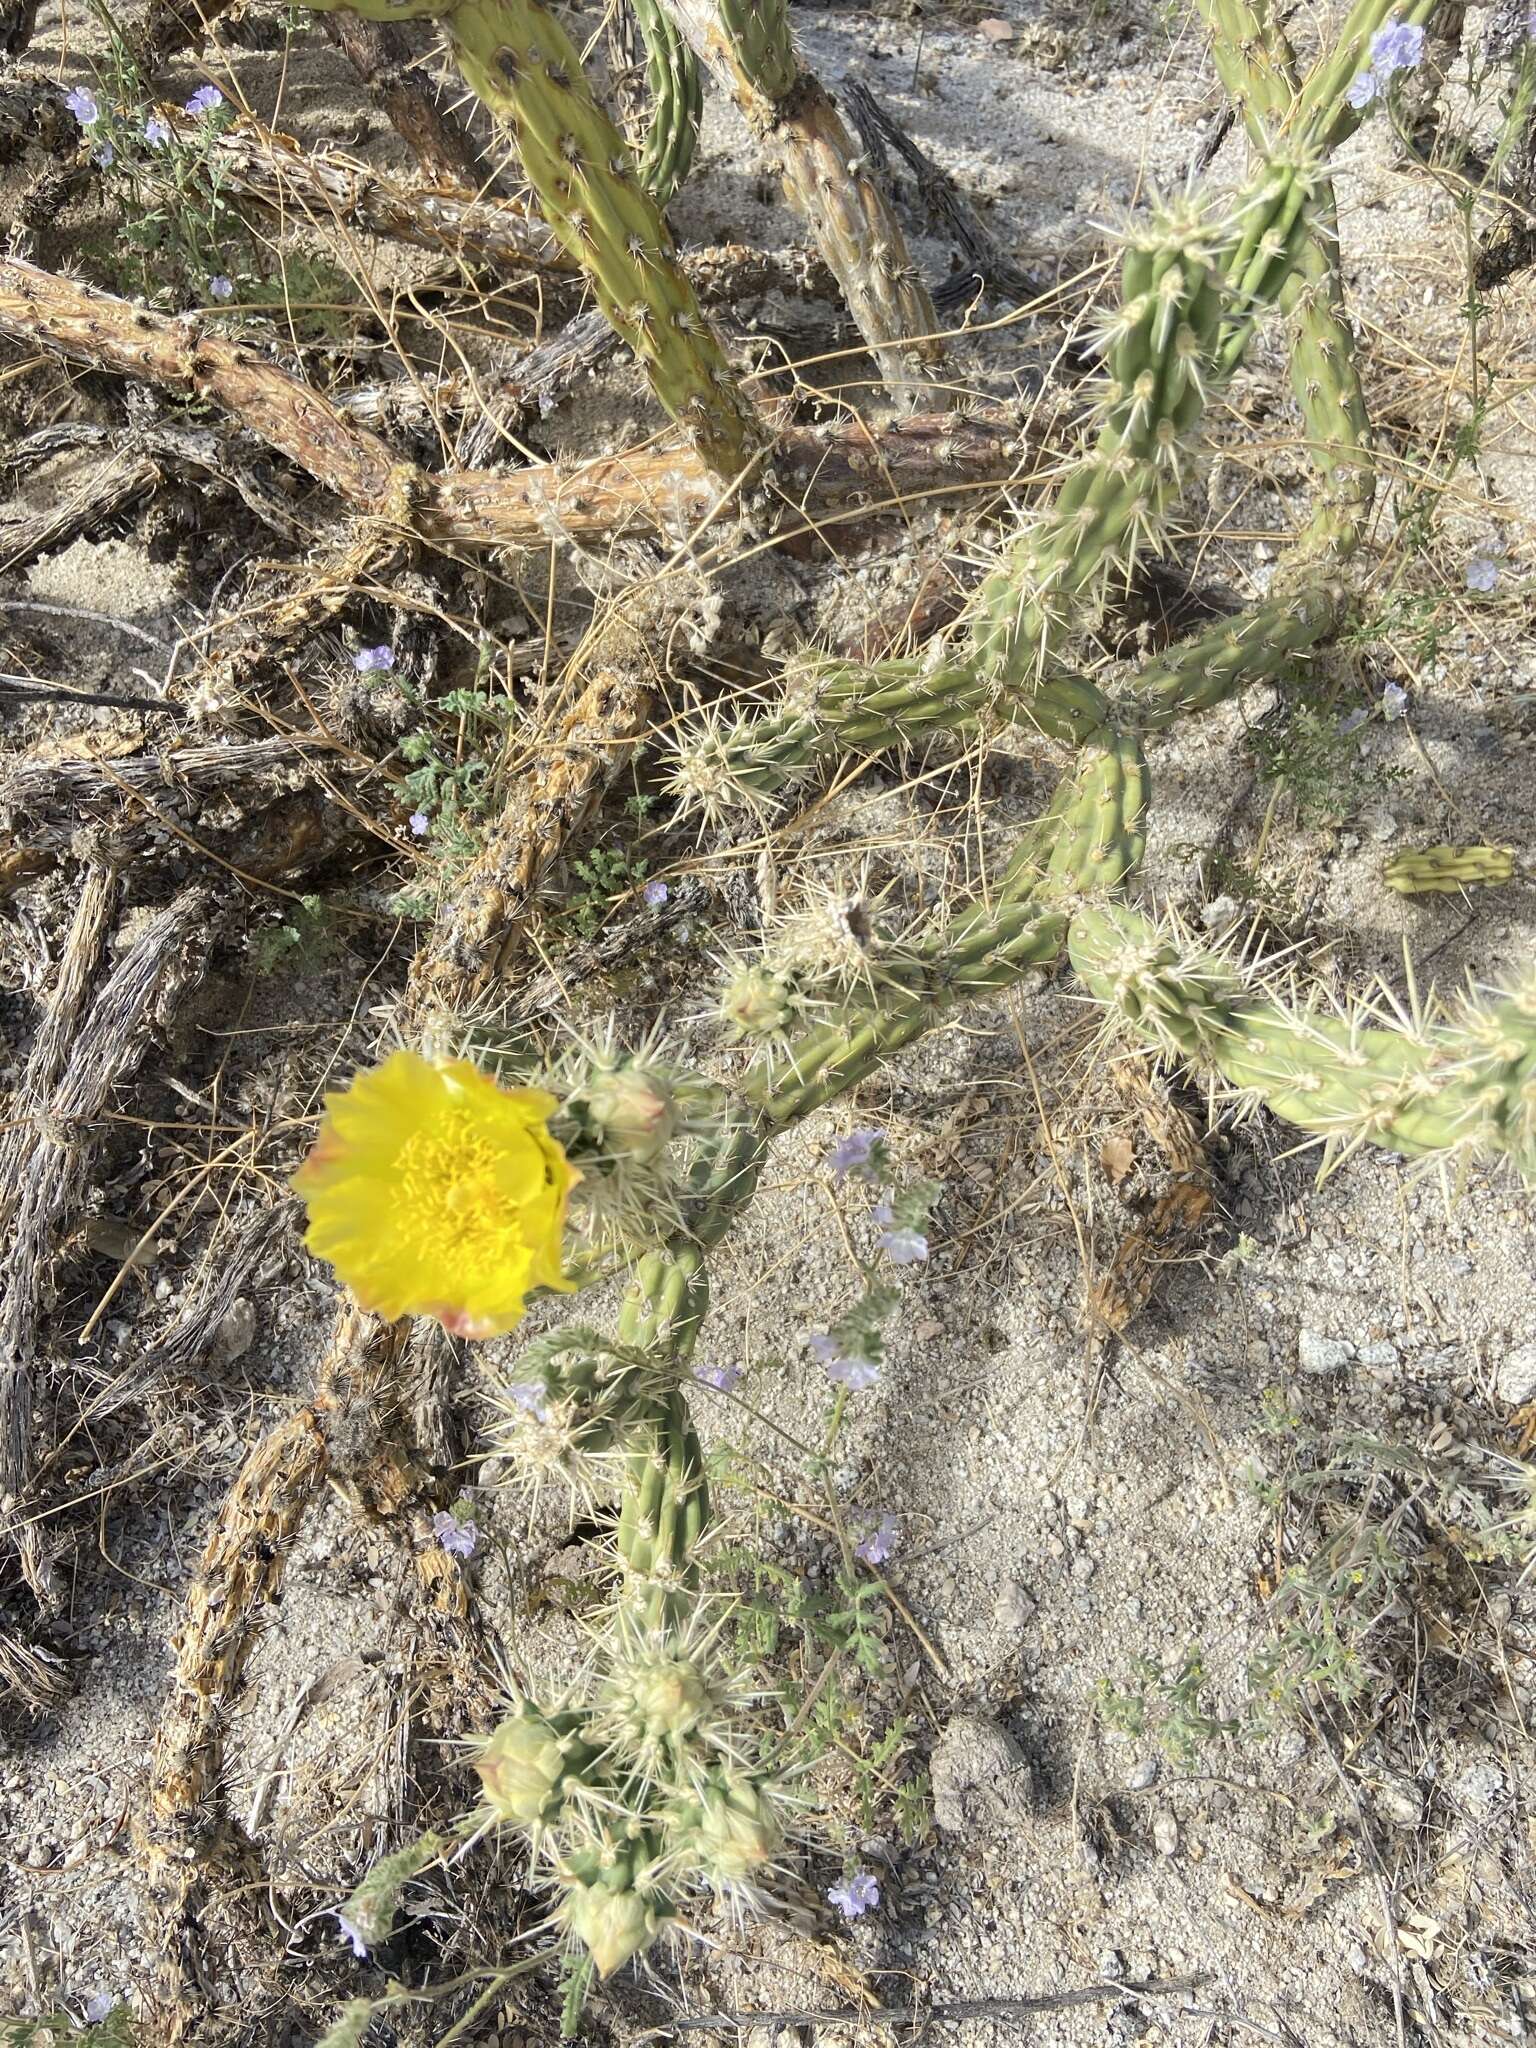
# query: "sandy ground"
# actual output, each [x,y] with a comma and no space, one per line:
[1060,1509]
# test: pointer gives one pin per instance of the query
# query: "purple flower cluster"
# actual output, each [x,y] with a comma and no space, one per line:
[1397,47]
[220,287]
[1482,572]
[857,1895]
[723,1378]
[368,659]
[82,104]
[879,1541]
[458,1538]
[655,894]
[856,1153]
[206,100]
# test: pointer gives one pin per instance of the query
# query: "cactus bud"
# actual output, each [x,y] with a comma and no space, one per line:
[756,1003]
[523,1765]
[614,1925]
[634,1110]
[729,1832]
[657,1698]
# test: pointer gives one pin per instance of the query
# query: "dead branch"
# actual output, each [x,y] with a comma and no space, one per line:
[816,471]
[35,785]
[115,484]
[381,54]
[946,205]
[82,1051]
[271,169]
[615,675]
[828,185]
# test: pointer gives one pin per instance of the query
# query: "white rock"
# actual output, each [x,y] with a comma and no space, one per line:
[1165,1833]
[1514,1379]
[1317,1353]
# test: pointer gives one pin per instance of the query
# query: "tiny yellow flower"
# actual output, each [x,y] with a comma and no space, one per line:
[433,1192]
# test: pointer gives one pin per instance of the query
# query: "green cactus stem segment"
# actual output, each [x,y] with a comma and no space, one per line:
[1447,870]
[1465,1082]
[524,67]
[676,85]
[1089,841]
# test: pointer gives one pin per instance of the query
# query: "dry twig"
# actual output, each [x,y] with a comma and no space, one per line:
[83,1049]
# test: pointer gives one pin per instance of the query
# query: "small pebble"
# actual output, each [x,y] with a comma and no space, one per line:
[1165,1833]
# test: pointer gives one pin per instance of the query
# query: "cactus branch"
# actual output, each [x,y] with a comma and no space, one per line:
[747,45]
[1421,1083]
[525,68]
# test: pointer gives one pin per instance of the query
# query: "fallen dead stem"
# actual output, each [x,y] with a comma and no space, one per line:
[86,1045]
[815,471]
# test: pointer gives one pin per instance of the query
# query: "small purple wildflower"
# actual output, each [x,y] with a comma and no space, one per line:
[206,100]
[1394,701]
[529,1396]
[1482,572]
[105,157]
[367,659]
[220,287]
[880,1541]
[157,131]
[723,1378]
[904,1247]
[1362,89]
[420,824]
[82,104]
[457,1538]
[350,1933]
[655,893]
[1397,47]
[854,1154]
[857,1895]
[854,1372]
[98,2007]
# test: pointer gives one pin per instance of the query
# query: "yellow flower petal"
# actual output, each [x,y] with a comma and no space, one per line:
[432,1191]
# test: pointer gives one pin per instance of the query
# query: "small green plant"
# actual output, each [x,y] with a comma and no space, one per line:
[1309,754]
[605,874]
[1165,1706]
[1383,1536]
[302,940]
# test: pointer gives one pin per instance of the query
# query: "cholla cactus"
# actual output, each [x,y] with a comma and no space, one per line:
[523,65]
[1423,1084]
[653,1780]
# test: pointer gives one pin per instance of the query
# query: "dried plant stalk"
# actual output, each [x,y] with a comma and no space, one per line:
[816,470]
[84,1047]
[36,785]
[254,163]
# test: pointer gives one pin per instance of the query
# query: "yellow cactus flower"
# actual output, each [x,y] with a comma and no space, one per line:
[433,1192]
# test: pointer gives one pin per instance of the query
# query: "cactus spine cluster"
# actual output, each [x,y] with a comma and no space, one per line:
[521,63]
